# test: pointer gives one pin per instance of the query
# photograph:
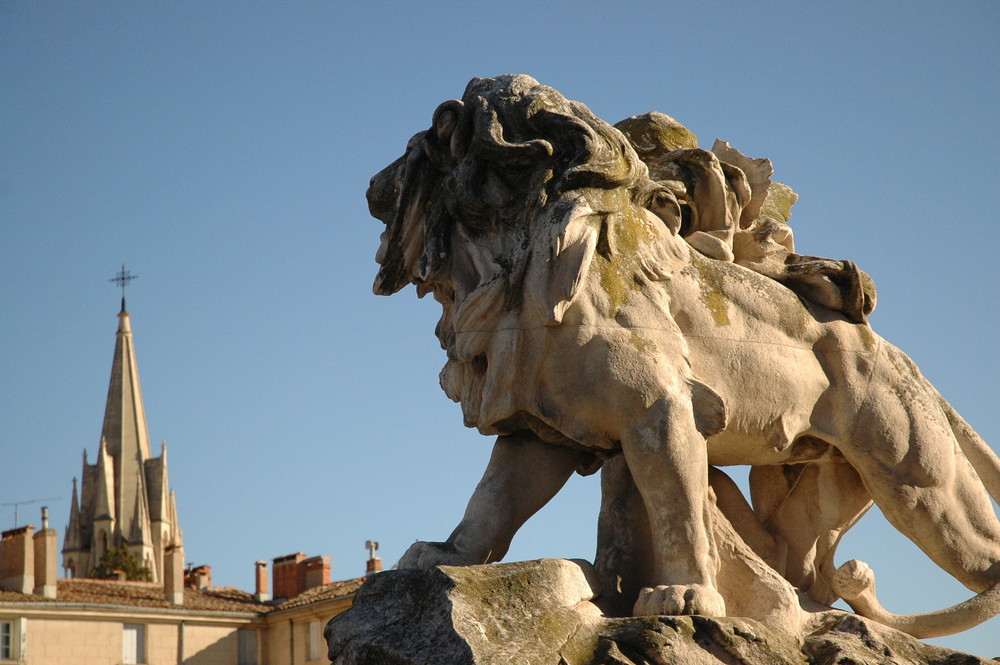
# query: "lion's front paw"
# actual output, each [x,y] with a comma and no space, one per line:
[424,556]
[680,599]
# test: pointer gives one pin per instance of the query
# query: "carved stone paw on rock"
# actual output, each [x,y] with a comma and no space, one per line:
[426,555]
[680,599]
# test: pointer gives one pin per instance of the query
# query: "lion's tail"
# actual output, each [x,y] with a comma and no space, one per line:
[980,455]
[855,583]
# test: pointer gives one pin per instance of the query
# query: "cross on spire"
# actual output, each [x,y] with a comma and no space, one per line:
[122,278]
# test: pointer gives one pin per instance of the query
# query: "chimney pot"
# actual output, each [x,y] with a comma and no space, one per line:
[316,572]
[260,570]
[374,564]
[173,587]
[46,568]
[199,578]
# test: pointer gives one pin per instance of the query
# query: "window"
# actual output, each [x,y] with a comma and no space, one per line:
[246,641]
[6,640]
[133,647]
[315,642]
[13,635]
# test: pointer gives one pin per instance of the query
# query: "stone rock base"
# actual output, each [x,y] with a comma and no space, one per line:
[545,613]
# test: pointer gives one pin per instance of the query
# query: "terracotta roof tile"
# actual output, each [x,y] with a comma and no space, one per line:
[150,595]
[15,597]
[321,593]
[146,594]
[143,594]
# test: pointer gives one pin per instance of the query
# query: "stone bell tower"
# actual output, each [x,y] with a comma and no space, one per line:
[124,497]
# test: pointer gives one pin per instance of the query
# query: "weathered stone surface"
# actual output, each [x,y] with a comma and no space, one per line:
[544,613]
[633,301]
[694,640]
[850,640]
[533,612]
[655,134]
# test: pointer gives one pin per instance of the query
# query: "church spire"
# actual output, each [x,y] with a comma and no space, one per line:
[124,427]
[124,496]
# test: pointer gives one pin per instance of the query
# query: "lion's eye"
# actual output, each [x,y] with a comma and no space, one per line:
[512,176]
[496,188]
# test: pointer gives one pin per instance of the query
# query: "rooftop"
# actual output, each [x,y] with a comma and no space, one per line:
[150,595]
[321,593]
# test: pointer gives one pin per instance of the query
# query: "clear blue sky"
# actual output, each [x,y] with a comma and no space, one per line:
[222,151]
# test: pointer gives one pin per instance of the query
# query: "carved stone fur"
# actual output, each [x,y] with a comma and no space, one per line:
[580,324]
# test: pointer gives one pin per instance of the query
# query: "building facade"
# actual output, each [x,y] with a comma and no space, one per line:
[114,622]
[175,618]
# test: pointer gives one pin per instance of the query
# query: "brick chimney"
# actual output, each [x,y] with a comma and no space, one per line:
[260,574]
[286,575]
[45,543]
[294,573]
[17,560]
[374,564]
[198,578]
[316,572]
[173,582]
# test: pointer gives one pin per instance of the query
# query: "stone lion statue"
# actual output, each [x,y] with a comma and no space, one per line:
[646,314]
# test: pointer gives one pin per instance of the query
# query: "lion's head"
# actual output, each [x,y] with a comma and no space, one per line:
[493,159]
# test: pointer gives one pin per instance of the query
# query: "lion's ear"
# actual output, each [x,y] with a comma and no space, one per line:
[663,203]
[446,118]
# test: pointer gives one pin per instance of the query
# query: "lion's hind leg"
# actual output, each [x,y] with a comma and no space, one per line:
[903,446]
[807,508]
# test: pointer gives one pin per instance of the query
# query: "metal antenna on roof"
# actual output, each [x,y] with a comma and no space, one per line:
[122,278]
[18,504]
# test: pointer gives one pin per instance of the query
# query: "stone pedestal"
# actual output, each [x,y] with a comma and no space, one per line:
[548,612]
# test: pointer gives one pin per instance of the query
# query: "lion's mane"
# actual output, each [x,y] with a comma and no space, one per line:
[493,159]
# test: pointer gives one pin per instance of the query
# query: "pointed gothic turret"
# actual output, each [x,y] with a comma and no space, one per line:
[71,539]
[140,540]
[104,504]
[125,496]
[176,534]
